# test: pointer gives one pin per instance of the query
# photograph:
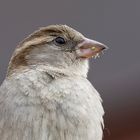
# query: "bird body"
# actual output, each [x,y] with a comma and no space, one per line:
[45,100]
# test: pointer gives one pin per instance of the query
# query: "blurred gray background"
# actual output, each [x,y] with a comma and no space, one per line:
[116,75]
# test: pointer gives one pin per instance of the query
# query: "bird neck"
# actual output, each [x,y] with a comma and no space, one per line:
[78,69]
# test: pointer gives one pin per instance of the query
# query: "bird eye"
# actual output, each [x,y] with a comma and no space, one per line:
[60,40]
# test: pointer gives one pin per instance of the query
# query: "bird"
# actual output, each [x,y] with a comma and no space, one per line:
[46,94]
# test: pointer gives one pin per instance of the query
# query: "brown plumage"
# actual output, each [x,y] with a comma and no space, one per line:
[46,94]
[37,39]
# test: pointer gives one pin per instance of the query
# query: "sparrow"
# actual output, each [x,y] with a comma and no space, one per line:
[46,94]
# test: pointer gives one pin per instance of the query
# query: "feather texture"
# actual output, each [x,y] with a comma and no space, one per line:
[34,106]
[46,94]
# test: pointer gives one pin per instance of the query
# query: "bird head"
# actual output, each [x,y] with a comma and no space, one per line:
[55,46]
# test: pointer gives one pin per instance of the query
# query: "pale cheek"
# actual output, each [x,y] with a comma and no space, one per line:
[48,55]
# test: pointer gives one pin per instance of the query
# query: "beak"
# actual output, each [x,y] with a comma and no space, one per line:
[89,48]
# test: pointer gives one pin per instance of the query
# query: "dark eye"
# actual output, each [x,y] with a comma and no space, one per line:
[60,40]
